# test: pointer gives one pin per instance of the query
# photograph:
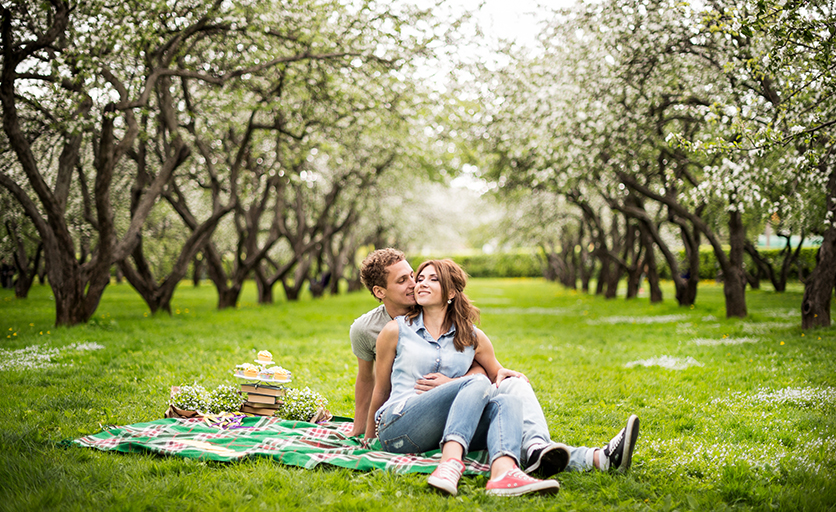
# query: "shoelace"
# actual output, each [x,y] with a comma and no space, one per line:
[617,440]
[449,471]
[518,473]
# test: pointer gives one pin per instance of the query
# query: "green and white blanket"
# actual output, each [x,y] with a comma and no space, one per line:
[293,443]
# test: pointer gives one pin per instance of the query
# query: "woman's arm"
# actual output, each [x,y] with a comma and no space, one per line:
[387,345]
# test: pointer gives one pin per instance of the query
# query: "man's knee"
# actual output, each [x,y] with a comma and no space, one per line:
[515,386]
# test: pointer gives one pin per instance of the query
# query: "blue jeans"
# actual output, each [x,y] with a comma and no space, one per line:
[535,432]
[452,412]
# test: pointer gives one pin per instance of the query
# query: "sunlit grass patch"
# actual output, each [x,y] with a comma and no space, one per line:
[36,357]
[809,396]
[661,319]
[767,327]
[713,342]
[667,362]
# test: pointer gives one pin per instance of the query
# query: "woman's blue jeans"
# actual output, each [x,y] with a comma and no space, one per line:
[454,412]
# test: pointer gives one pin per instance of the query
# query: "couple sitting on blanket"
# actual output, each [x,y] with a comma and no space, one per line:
[427,377]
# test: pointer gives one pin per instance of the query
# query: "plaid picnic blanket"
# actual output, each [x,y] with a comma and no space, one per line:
[294,443]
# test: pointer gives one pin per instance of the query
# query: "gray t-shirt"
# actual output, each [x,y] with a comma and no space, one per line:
[364,332]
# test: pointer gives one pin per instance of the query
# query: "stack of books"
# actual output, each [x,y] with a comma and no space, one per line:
[262,400]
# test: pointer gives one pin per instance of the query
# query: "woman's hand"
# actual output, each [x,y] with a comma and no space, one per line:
[504,373]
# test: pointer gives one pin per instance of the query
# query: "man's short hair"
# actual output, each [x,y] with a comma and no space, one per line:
[374,270]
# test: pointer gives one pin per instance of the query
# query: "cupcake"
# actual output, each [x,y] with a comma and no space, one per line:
[265,357]
[249,370]
[281,374]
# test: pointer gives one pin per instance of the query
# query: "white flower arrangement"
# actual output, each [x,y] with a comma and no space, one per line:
[225,398]
[302,404]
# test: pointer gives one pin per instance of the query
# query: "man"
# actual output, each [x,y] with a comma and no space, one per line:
[390,279]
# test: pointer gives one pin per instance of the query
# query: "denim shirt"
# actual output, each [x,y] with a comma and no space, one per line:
[418,354]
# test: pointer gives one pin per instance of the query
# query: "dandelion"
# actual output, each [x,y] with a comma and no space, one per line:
[782,343]
[33,325]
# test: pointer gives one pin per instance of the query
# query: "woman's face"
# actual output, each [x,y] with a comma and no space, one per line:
[428,288]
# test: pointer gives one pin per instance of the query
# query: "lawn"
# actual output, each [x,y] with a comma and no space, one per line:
[736,413]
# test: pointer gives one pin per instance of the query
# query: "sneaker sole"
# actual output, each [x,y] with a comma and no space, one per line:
[630,435]
[543,487]
[442,485]
[553,459]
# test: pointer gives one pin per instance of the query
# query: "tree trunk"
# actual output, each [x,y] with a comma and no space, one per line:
[227,293]
[300,276]
[753,279]
[636,259]
[790,257]
[818,290]
[613,278]
[650,268]
[687,292]
[228,297]
[197,271]
[264,286]
[587,264]
[21,261]
[603,275]
[549,271]
[734,283]
[570,277]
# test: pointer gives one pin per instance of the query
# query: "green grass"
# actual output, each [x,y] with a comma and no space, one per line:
[750,426]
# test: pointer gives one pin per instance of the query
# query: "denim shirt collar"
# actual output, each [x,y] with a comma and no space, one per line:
[418,326]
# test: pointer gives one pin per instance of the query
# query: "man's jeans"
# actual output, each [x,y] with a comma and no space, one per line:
[535,431]
[452,412]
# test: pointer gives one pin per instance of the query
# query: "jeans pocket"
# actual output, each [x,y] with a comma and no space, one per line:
[400,444]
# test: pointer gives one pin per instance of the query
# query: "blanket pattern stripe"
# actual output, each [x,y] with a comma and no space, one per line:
[294,443]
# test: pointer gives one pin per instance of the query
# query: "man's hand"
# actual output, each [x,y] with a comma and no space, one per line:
[504,373]
[430,381]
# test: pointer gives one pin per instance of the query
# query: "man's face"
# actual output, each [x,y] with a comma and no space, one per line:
[400,285]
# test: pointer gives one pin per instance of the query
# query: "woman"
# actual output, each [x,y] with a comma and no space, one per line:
[439,337]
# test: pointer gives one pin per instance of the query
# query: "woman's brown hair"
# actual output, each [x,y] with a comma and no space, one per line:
[460,311]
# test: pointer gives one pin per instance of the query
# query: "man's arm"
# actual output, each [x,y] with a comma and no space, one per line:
[433,380]
[387,344]
[363,388]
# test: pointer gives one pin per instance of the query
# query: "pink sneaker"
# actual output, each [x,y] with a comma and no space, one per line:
[446,476]
[516,483]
